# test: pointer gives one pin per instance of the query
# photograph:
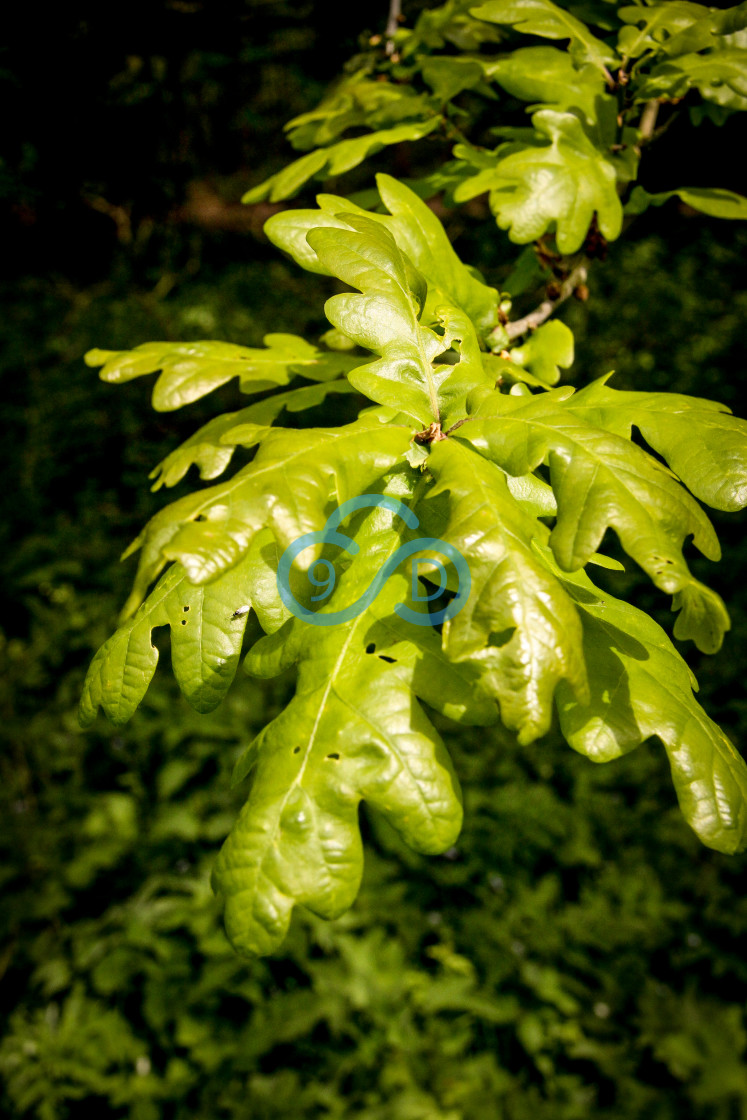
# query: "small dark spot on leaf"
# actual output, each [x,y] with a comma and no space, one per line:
[391,660]
[296,750]
[184,622]
[335,756]
[500,638]
[371,648]
[185,608]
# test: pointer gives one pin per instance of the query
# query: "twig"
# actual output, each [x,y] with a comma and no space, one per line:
[392,24]
[648,120]
[535,318]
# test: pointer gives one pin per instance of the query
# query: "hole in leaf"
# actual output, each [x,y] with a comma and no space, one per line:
[371,648]
[391,660]
[448,357]
[185,608]
[184,622]
[500,638]
[335,756]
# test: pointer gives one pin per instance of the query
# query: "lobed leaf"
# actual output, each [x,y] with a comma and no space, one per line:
[719,76]
[701,441]
[285,488]
[449,75]
[353,731]
[337,159]
[385,318]
[205,645]
[519,626]
[602,480]
[548,77]
[562,185]
[356,102]
[641,687]
[545,352]
[661,27]
[212,446]
[190,370]
[416,230]
[717,202]
[542,17]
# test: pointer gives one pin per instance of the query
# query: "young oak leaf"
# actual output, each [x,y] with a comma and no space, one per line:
[205,644]
[212,446]
[719,76]
[602,480]
[548,78]
[700,439]
[417,231]
[641,687]
[562,185]
[385,318]
[286,488]
[339,158]
[353,731]
[190,370]
[660,28]
[356,102]
[542,17]
[519,626]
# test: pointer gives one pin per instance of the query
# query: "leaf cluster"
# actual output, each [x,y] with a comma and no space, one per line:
[523,478]
[592,100]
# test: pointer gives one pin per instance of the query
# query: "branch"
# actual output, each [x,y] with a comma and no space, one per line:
[647,123]
[535,318]
[395,13]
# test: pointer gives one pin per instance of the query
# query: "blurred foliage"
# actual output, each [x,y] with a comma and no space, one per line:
[577,954]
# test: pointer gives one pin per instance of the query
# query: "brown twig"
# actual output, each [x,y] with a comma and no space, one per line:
[537,317]
[395,14]
[648,120]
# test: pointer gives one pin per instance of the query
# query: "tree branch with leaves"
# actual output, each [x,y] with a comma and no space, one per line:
[463,422]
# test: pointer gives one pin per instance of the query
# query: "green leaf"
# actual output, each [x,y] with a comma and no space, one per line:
[542,17]
[715,201]
[548,77]
[353,731]
[641,687]
[659,28]
[449,75]
[205,645]
[518,625]
[701,441]
[336,159]
[547,350]
[356,102]
[448,23]
[190,370]
[385,318]
[719,76]
[211,448]
[561,185]
[415,228]
[424,239]
[287,488]
[602,481]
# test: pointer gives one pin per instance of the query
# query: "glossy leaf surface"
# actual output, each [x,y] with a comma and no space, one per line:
[548,20]
[561,185]
[466,430]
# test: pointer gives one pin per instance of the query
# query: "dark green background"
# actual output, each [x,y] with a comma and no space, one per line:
[578,954]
